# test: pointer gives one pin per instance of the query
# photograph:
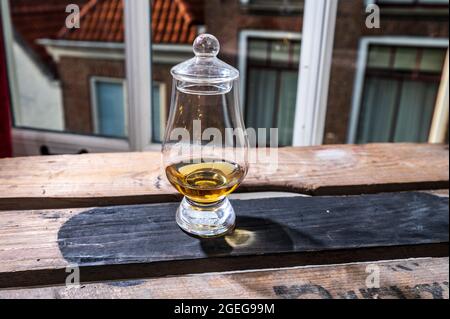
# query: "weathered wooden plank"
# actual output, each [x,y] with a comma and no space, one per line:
[134,178]
[144,241]
[413,279]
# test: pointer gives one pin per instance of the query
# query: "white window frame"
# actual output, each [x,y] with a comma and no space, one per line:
[363,51]
[94,99]
[319,18]
[319,22]
[137,19]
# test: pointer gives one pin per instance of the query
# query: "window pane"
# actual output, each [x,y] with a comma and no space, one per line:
[260,38]
[272,86]
[380,57]
[55,60]
[397,104]
[110,109]
[432,60]
[258,50]
[288,96]
[262,95]
[296,53]
[280,52]
[377,110]
[405,58]
[384,80]
[415,111]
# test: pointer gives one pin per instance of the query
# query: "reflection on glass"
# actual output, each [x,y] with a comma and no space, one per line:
[69,79]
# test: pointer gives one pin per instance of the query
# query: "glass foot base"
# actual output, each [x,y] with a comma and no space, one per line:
[206,221]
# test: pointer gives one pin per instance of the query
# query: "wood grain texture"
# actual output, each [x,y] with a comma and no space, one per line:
[135,178]
[144,240]
[426,278]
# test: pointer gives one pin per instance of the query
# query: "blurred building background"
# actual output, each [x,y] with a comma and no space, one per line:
[383,88]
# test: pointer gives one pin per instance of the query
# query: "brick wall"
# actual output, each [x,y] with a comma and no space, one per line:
[225,19]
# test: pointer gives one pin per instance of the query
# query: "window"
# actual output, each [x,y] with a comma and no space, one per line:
[67,80]
[109,107]
[400,89]
[385,82]
[271,75]
[50,67]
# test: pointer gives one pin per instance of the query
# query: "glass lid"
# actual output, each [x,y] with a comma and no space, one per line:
[205,67]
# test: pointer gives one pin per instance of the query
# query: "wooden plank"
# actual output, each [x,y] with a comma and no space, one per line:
[135,178]
[144,241]
[426,278]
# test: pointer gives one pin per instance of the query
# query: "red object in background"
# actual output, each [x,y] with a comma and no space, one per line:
[5,104]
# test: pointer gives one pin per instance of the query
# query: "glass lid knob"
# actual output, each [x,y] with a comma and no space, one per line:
[205,67]
[206,45]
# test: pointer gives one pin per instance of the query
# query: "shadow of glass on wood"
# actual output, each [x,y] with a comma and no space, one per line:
[255,235]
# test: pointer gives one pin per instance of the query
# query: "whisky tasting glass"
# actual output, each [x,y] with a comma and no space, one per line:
[205,148]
